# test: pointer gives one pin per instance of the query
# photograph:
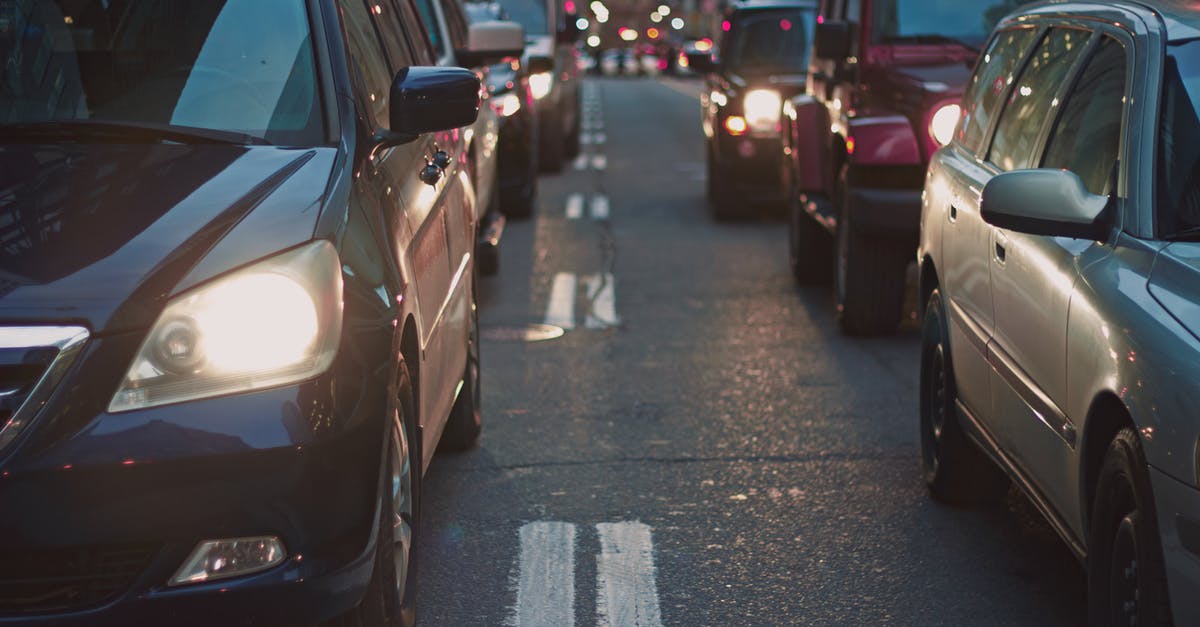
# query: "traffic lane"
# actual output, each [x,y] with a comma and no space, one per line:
[720,371]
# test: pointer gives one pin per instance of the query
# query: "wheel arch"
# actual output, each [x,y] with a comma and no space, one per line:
[1106,417]
[926,283]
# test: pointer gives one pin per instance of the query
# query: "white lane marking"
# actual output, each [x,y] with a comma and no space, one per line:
[574,206]
[585,139]
[593,125]
[599,162]
[560,311]
[599,207]
[601,290]
[600,138]
[581,162]
[546,584]
[627,595]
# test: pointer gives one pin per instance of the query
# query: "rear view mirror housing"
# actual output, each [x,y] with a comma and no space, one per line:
[491,42]
[832,40]
[428,99]
[1045,201]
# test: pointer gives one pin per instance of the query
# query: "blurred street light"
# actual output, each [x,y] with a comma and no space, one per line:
[664,10]
[655,17]
[677,23]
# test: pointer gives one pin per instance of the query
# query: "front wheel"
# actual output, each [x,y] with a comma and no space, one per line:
[809,245]
[1127,582]
[720,193]
[869,280]
[553,149]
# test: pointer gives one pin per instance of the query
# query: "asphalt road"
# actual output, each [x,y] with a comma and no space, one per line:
[702,447]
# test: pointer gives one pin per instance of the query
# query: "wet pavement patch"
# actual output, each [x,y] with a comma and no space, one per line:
[521,333]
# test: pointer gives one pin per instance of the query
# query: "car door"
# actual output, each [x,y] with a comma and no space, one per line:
[965,271]
[1033,277]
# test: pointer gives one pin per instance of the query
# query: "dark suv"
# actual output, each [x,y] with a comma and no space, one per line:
[237,313]
[760,62]
[884,83]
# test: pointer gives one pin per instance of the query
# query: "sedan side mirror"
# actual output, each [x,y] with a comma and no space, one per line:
[491,42]
[832,40]
[702,62]
[427,99]
[1044,202]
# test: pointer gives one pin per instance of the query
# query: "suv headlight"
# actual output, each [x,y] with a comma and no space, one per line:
[272,323]
[540,84]
[763,108]
[943,123]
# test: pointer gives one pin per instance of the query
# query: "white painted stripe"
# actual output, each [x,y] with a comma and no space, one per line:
[546,583]
[560,311]
[599,162]
[601,290]
[581,162]
[574,206]
[627,595]
[599,207]
[585,139]
[600,138]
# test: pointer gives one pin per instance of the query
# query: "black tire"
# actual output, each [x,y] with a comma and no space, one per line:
[390,600]
[518,203]
[1127,582]
[955,470]
[552,154]
[466,420]
[869,280]
[487,259]
[810,249]
[720,193]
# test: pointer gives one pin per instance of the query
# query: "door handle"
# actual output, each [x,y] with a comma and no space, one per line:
[953,213]
[1000,252]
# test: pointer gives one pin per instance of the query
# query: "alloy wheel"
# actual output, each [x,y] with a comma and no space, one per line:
[400,469]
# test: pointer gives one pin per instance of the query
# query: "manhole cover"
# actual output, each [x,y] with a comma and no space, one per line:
[522,333]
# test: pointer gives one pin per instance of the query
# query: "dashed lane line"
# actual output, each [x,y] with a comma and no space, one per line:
[546,576]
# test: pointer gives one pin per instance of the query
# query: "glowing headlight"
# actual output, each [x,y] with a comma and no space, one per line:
[941,125]
[540,84]
[507,105]
[272,323]
[763,107]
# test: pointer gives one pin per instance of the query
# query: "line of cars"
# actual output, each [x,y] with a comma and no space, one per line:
[239,247]
[1041,161]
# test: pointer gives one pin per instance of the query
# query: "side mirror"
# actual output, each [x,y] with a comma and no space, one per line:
[1044,202]
[491,42]
[427,99]
[702,62]
[569,32]
[539,64]
[832,40]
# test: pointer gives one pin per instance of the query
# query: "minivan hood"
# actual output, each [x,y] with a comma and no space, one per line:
[1174,281]
[943,77]
[101,234]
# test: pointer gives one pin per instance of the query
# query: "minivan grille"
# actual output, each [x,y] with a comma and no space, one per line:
[32,362]
[67,579]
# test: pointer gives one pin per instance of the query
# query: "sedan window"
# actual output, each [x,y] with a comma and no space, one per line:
[1179,140]
[989,83]
[1087,137]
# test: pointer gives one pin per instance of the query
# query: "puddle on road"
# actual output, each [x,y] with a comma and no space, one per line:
[521,333]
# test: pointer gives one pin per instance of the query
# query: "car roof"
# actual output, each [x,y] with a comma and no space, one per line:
[1182,17]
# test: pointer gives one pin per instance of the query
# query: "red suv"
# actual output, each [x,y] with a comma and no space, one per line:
[884,82]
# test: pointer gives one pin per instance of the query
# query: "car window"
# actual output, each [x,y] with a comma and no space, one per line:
[391,31]
[769,40]
[1034,97]
[529,13]
[1178,199]
[1087,136]
[456,24]
[422,46]
[432,28]
[989,83]
[368,57]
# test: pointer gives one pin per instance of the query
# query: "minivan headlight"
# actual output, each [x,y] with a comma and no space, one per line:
[763,108]
[943,122]
[272,323]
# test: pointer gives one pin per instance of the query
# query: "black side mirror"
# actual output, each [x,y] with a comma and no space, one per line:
[426,99]
[702,62]
[569,32]
[832,40]
[539,64]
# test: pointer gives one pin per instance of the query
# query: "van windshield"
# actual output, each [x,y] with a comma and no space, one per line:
[765,41]
[938,21]
[244,67]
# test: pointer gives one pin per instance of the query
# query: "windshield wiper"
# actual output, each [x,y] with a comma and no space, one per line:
[928,38]
[126,131]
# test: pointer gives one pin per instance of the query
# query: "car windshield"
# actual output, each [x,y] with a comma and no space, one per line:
[769,41]
[240,67]
[1179,141]
[938,21]
[529,13]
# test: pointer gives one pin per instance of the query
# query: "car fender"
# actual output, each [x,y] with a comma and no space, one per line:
[882,140]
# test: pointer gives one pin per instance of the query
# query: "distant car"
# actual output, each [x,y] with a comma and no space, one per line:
[1060,281]
[239,309]
[510,97]
[760,64]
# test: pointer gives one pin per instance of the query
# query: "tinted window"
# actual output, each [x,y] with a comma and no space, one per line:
[418,37]
[429,17]
[926,21]
[235,65]
[389,21]
[986,91]
[529,13]
[1033,98]
[1179,140]
[769,41]
[1088,135]
[456,22]
[367,53]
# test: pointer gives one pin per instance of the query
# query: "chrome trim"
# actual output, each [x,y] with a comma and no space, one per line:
[971,329]
[68,340]
[1037,401]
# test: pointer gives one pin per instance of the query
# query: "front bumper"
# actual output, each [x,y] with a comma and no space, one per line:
[1178,506]
[751,165]
[293,462]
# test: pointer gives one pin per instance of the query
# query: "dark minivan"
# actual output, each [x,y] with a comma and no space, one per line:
[237,308]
